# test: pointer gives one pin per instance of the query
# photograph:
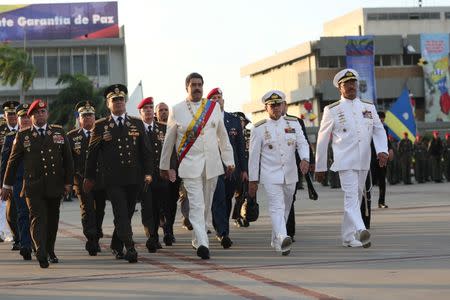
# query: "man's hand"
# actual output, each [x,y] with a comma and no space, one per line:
[391,155]
[320,176]
[252,188]
[229,171]
[67,189]
[172,175]
[244,176]
[88,185]
[6,194]
[304,166]
[164,174]
[148,179]
[382,159]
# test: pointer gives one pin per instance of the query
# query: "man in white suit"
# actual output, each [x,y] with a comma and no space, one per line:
[196,128]
[272,163]
[353,123]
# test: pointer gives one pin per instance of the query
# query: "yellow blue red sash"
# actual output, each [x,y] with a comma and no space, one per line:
[194,129]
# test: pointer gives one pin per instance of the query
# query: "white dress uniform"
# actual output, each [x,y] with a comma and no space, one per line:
[202,164]
[353,124]
[272,163]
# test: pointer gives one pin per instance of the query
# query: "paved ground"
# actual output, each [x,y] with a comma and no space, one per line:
[409,259]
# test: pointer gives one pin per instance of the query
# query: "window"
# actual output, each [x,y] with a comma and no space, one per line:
[377,60]
[405,16]
[390,60]
[447,15]
[64,64]
[78,64]
[411,59]
[329,62]
[91,64]
[52,66]
[104,68]
[39,63]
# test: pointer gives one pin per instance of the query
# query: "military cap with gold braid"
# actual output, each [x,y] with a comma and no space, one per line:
[10,106]
[115,90]
[85,107]
[273,97]
[345,75]
[22,109]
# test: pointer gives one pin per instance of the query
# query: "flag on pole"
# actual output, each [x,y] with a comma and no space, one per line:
[400,117]
[134,99]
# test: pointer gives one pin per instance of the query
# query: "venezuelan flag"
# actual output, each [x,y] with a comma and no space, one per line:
[400,117]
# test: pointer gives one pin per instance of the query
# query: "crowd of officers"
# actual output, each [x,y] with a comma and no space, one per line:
[117,158]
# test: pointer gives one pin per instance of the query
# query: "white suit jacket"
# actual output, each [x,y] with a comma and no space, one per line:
[204,153]
[272,151]
[352,124]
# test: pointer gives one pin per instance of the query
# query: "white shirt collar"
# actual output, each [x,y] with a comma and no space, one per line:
[37,127]
[147,124]
[85,131]
[116,117]
[15,127]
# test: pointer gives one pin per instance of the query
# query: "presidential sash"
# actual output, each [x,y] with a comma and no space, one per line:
[195,127]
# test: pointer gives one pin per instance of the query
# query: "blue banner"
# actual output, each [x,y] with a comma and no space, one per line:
[58,21]
[434,61]
[360,57]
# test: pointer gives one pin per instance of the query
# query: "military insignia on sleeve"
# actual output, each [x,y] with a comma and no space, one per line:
[367,114]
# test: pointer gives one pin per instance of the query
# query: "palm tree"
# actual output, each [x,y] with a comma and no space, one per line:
[16,66]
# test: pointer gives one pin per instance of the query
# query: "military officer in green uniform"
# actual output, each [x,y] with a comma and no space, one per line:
[10,125]
[405,150]
[420,158]
[121,142]
[92,204]
[48,175]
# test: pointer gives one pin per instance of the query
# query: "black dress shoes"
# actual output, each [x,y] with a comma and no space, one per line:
[203,252]
[117,253]
[131,255]
[226,242]
[52,258]
[151,245]
[43,263]
[26,253]
[16,246]
[91,247]
[169,239]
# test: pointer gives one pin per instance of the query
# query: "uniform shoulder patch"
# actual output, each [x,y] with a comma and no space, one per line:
[290,118]
[56,126]
[333,104]
[100,120]
[259,123]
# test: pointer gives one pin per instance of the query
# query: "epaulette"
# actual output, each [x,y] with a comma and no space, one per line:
[24,129]
[73,130]
[56,126]
[260,122]
[100,120]
[367,102]
[290,118]
[333,104]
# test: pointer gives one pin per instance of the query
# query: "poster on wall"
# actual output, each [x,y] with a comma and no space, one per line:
[434,61]
[360,57]
[91,20]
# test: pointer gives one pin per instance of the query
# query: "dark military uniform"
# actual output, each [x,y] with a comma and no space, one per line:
[11,210]
[48,167]
[436,149]
[405,151]
[242,188]
[157,195]
[446,156]
[393,166]
[92,204]
[126,156]
[420,157]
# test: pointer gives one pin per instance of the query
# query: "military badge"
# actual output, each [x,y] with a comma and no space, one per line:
[107,136]
[267,135]
[161,136]
[58,139]
[270,146]
[27,138]
[127,123]
[233,132]
[26,143]
[111,125]
[367,114]
[34,134]
[289,130]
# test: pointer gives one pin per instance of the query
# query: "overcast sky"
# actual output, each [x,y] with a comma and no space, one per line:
[168,39]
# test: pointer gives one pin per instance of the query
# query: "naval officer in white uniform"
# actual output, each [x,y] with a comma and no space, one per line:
[353,123]
[272,164]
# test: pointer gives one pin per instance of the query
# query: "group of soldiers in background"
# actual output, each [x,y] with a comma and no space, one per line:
[428,157]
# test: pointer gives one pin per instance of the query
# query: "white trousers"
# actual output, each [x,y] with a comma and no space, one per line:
[279,198]
[352,183]
[200,192]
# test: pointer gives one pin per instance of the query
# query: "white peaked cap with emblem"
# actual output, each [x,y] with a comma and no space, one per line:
[345,75]
[273,97]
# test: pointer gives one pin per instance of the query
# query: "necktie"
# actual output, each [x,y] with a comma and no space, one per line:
[88,134]
[41,132]
[150,128]
[120,122]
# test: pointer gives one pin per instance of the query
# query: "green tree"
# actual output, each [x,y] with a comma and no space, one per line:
[77,88]
[16,66]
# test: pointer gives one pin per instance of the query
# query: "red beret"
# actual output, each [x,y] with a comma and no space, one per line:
[145,101]
[37,104]
[214,92]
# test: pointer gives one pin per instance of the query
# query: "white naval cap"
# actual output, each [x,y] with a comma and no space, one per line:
[273,97]
[345,75]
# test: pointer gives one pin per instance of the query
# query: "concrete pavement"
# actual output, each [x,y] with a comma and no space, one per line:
[409,259]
